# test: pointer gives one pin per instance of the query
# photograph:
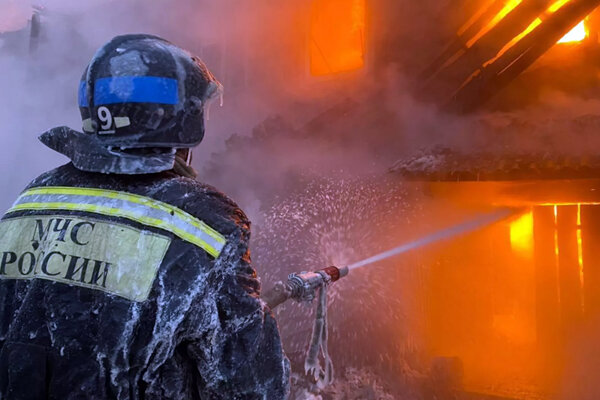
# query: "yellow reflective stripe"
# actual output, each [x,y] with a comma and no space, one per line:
[117,212]
[134,198]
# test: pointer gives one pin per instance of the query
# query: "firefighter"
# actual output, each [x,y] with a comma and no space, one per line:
[120,276]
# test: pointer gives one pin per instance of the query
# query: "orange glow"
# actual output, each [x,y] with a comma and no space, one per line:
[556,232]
[567,203]
[508,7]
[471,21]
[521,235]
[556,250]
[337,36]
[514,327]
[576,34]
[580,255]
[521,310]
[520,36]
[555,6]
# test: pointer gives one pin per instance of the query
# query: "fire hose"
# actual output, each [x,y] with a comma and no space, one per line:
[303,287]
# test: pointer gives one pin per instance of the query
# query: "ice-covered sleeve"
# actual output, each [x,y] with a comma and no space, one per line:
[241,356]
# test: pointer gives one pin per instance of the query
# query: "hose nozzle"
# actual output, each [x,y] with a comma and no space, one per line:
[302,286]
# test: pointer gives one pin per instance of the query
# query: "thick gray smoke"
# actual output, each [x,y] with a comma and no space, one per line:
[356,126]
[38,83]
[257,50]
[279,127]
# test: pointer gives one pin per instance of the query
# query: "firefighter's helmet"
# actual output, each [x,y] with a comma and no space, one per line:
[140,98]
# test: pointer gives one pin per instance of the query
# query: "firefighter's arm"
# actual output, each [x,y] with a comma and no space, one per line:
[244,358]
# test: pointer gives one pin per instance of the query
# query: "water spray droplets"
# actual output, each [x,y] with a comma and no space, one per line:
[335,222]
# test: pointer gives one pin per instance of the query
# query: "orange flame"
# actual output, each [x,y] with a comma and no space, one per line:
[337,36]
[521,235]
[508,7]
[580,256]
[576,34]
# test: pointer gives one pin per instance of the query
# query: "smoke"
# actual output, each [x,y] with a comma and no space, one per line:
[278,122]
[38,84]
[14,15]
[280,129]
[256,49]
[38,87]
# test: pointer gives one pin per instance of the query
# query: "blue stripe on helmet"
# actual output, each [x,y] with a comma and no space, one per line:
[83,101]
[132,89]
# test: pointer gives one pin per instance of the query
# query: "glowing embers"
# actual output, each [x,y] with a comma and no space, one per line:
[577,34]
[521,235]
[337,37]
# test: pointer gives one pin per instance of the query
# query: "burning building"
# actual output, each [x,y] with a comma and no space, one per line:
[513,300]
[501,41]
[523,289]
[508,301]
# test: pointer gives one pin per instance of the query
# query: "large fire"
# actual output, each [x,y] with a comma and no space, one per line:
[525,291]
[522,239]
[508,7]
[337,39]
[521,235]
[577,34]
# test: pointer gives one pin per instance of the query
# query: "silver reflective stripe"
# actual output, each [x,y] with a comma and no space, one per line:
[137,208]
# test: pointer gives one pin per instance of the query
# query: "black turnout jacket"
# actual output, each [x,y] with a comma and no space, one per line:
[100,300]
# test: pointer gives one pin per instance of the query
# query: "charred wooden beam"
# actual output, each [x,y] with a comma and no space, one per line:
[489,80]
[458,46]
[508,28]
[461,67]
